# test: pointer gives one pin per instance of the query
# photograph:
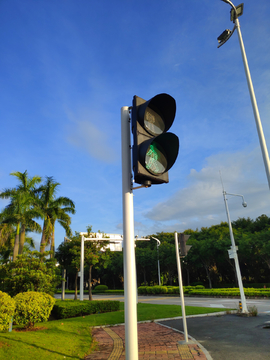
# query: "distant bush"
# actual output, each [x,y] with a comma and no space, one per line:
[142,290]
[114,291]
[170,290]
[74,308]
[32,307]
[159,289]
[101,287]
[7,308]
[29,272]
[200,290]
[231,292]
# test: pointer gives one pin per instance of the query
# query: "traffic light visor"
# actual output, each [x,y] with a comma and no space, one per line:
[153,122]
[157,114]
[159,154]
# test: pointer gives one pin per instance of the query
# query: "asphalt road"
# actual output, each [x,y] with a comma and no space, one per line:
[230,337]
[262,305]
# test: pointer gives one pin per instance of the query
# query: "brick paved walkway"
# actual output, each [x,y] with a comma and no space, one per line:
[155,342]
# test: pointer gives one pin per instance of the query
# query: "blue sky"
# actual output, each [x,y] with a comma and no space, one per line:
[67,67]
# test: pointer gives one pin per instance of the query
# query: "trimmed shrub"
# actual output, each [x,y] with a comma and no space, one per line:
[7,308]
[32,307]
[101,287]
[74,308]
[142,290]
[170,290]
[114,291]
[159,289]
[231,292]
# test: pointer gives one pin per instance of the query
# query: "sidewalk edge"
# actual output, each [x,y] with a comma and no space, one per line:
[206,353]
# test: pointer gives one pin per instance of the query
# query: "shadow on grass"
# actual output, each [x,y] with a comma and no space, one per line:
[40,347]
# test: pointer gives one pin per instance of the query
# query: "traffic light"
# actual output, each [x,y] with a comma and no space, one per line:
[184,248]
[154,149]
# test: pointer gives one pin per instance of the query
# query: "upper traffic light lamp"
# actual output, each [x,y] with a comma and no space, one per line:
[154,149]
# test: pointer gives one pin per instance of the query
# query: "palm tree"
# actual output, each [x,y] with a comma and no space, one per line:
[21,211]
[7,237]
[53,209]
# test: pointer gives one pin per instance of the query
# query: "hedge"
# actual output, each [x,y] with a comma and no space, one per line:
[232,292]
[101,287]
[73,308]
[166,289]
[200,290]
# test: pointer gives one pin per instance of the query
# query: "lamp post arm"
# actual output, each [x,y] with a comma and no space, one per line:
[230,3]
[242,196]
[158,241]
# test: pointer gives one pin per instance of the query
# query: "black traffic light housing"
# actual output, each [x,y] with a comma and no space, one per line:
[154,149]
[184,248]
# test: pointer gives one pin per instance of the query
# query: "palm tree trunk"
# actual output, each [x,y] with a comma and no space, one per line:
[22,239]
[16,243]
[52,245]
[43,240]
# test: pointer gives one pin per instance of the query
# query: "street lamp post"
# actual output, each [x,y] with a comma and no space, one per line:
[235,12]
[64,273]
[233,252]
[158,243]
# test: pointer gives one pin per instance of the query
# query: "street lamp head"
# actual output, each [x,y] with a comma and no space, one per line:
[224,36]
[244,204]
[239,11]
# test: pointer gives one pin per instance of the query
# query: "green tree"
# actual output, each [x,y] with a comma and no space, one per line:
[29,272]
[95,256]
[68,255]
[113,276]
[145,263]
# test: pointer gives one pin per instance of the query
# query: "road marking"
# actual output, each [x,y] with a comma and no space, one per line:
[216,305]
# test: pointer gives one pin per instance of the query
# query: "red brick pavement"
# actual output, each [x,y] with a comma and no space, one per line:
[155,342]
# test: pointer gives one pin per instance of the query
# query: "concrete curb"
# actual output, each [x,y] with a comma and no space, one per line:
[206,353]
[220,313]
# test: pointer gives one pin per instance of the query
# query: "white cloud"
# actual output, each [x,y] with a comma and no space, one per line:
[84,134]
[200,204]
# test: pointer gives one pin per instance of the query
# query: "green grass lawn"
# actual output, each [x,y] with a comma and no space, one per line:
[71,338]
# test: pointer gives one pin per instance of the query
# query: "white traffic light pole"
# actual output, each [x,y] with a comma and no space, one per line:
[131,331]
